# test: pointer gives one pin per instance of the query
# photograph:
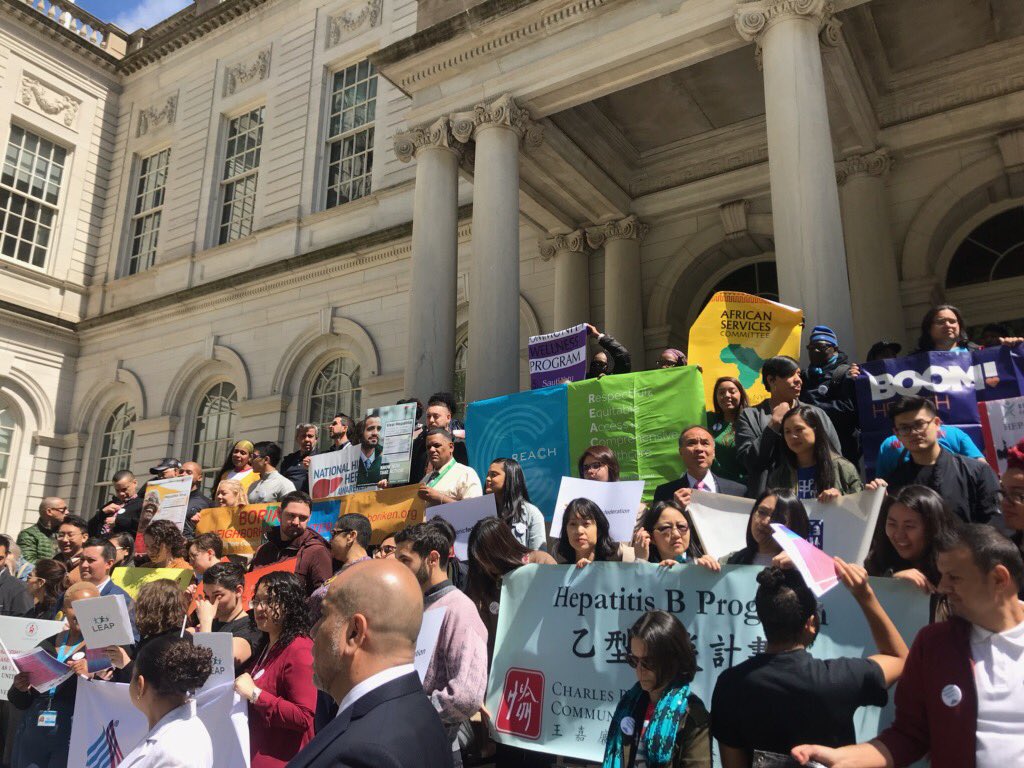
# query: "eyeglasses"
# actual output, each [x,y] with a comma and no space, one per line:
[338,532]
[1014,497]
[62,510]
[666,364]
[764,514]
[593,466]
[819,347]
[914,427]
[266,602]
[640,661]
[387,549]
[669,527]
[66,535]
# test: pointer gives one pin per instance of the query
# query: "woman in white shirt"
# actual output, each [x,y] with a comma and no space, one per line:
[167,672]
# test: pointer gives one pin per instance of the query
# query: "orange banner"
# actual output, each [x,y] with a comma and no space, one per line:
[240,528]
[388,511]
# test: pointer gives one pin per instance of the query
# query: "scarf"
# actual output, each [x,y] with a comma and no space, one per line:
[660,736]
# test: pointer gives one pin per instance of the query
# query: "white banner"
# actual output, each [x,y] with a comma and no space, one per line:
[463,515]
[104,621]
[21,635]
[334,473]
[720,521]
[426,641]
[619,501]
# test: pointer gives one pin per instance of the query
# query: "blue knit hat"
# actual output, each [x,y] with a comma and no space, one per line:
[826,334]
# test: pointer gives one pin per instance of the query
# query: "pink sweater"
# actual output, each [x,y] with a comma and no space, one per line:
[457,675]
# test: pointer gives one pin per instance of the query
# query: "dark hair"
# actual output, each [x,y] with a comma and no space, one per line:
[426,539]
[106,548]
[300,497]
[205,541]
[784,604]
[159,607]
[5,543]
[350,425]
[603,454]
[271,451]
[825,474]
[883,560]
[228,575]
[229,465]
[744,400]
[925,342]
[514,496]
[174,666]
[988,549]
[690,428]
[164,533]
[789,511]
[911,405]
[122,474]
[353,521]
[287,597]
[126,542]
[76,521]
[492,548]
[585,509]
[52,572]
[438,431]
[780,366]
[445,526]
[650,519]
[410,401]
[442,398]
[669,648]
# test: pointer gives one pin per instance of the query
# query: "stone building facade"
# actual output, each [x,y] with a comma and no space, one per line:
[259,212]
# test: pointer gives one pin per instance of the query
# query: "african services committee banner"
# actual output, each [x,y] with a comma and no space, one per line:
[560,666]
[735,333]
[559,357]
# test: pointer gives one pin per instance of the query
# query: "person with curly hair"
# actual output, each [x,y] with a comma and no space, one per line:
[166,545]
[279,685]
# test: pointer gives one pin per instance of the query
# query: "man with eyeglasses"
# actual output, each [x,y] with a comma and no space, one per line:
[969,487]
[39,540]
[71,538]
[697,449]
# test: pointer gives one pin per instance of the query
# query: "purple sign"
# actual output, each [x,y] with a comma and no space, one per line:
[559,357]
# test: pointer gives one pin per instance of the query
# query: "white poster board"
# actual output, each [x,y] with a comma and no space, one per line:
[619,501]
[846,526]
[720,522]
[463,515]
[171,496]
[223,657]
[104,621]
[398,422]
[426,641]
[333,473]
[19,635]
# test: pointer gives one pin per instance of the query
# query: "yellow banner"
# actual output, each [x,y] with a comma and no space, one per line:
[240,528]
[388,511]
[131,579]
[733,336]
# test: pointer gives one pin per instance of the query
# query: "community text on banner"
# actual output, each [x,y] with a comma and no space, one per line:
[559,357]
[240,528]
[334,473]
[389,510]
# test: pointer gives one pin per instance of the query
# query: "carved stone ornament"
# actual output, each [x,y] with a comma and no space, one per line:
[629,228]
[240,76]
[157,116]
[734,218]
[574,242]
[752,18]
[49,101]
[875,163]
[1011,147]
[437,134]
[503,111]
[356,17]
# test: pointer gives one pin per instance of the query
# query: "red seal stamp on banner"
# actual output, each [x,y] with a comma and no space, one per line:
[522,703]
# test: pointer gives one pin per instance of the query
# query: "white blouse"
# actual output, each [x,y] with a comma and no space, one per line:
[179,740]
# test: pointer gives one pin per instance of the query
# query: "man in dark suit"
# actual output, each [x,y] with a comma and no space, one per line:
[362,656]
[97,562]
[697,448]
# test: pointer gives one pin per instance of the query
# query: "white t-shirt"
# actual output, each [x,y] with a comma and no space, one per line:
[999,679]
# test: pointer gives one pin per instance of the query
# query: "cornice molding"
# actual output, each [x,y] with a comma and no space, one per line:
[571,242]
[437,135]
[877,163]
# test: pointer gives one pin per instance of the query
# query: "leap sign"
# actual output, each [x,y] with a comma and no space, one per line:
[104,621]
[223,657]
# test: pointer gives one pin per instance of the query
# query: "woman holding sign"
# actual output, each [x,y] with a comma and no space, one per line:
[506,481]
[231,493]
[585,537]
[811,467]
[664,537]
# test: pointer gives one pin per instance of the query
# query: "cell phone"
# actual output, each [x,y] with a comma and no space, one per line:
[775,760]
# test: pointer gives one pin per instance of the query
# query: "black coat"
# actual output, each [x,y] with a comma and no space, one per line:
[291,467]
[125,521]
[666,491]
[968,486]
[14,597]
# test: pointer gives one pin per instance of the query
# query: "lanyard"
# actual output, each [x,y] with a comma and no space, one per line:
[444,471]
[257,667]
[63,656]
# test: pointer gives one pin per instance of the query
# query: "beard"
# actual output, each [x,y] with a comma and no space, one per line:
[422,575]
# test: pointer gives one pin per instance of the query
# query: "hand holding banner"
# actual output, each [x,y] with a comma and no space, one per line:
[463,515]
[104,621]
[558,357]
[817,568]
[619,501]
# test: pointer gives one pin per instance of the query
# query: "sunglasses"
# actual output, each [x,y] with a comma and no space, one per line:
[640,661]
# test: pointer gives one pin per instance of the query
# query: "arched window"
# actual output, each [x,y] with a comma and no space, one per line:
[459,379]
[115,452]
[335,389]
[214,430]
[758,279]
[8,427]
[993,251]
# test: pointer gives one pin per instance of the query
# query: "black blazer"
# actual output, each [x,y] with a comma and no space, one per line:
[728,487]
[394,726]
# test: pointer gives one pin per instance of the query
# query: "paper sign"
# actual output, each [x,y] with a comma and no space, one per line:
[426,641]
[19,634]
[104,621]
[817,568]
[847,525]
[43,670]
[131,579]
[1002,424]
[171,499]
[389,510]
[398,422]
[720,522]
[463,515]
[223,657]
[619,501]
[240,528]
[558,357]
[334,473]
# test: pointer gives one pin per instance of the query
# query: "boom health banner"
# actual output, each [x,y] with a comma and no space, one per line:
[560,666]
[735,333]
[240,528]
[389,511]
[559,357]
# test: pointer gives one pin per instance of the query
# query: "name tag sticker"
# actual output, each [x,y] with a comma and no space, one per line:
[47,718]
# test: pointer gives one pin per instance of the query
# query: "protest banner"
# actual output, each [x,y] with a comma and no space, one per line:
[104,621]
[240,528]
[171,497]
[463,515]
[816,567]
[619,501]
[132,579]
[1002,424]
[559,357]
[106,726]
[334,473]
[18,635]
[398,422]
[253,576]
[220,644]
[719,522]
[998,372]
[735,333]
[426,641]
[388,510]
[560,668]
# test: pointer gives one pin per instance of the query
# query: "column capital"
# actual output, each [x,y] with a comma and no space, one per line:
[437,134]
[754,17]
[573,242]
[629,228]
[503,112]
[877,163]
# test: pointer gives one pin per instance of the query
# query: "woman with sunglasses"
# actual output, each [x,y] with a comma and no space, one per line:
[659,723]
[599,463]
[665,538]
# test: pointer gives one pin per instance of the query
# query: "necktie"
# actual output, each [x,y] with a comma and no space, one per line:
[700,486]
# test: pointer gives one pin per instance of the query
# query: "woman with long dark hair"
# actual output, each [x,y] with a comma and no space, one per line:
[665,536]
[600,463]
[124,549]
[506,481]
[586,538]
[729,398]
[45,585]
[942,329]
[811,467]
[772,506]
[279,685]
[658,722]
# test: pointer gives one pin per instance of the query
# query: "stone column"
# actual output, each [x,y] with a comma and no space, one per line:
[430,350]
[623,293]
[572,277]
[809,252]
[870,254]
[497,129]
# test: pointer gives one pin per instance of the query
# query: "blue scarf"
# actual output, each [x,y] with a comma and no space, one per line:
[660,736]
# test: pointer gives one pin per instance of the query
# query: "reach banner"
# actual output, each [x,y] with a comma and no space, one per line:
[559,357]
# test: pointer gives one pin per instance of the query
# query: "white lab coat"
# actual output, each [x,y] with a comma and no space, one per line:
[179,740]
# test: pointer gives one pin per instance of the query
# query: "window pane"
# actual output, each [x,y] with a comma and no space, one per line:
[29,190]
[115,452]
[335,390]
[350,133]
[213,436]
[241,171]
[992,251]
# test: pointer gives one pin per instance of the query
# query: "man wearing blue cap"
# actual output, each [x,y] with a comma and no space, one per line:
[827,386]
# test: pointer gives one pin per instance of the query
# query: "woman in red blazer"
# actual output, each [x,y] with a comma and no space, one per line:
[279,686]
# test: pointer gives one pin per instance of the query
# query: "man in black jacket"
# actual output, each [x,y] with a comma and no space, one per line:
[120,514]
[362,656]
[14,597]
[599,363]
[295,466]
[827,384]
[697,449]
[440,409]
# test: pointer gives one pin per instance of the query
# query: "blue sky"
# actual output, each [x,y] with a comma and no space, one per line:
[133,14]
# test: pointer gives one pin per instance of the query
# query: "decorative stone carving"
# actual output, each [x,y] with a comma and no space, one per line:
[503,111]
[574,242]
[1011,147]
[157,116]
[629,228]
[49,101]
[240,76]
[875,163]
[752,18]
[437,134]
[734,218]
[356,17]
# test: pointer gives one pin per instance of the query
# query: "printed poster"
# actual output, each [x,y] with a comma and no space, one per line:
[463,515]
[132,579]
[559,357]
[397,422]
[619,501]
[334,473]
[19,635]
[170,497]
[1002,423]
[240,528]
[389,510]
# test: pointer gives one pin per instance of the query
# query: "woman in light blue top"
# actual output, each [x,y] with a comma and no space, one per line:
[506,481]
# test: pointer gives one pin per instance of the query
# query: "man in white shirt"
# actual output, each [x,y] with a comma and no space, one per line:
[446,480]
[272,485]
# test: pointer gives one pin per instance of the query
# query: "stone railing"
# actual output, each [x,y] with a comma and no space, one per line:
[83,24]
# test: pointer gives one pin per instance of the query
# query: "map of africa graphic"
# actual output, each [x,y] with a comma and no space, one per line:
[747,360]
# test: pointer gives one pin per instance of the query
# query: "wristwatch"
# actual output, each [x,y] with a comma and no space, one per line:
[255,695]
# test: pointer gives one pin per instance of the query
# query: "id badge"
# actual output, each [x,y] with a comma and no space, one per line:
[47,718]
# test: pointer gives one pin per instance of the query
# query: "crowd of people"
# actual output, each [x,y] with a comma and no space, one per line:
[323,652]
